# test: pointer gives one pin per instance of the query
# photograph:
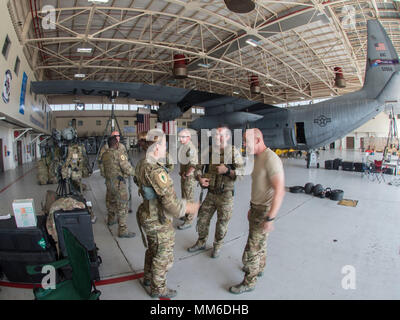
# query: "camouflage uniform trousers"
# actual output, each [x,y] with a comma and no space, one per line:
[223,204]
[76,180]
[117,192]
[255,253]
[53,171]
[159,256]
[188,186]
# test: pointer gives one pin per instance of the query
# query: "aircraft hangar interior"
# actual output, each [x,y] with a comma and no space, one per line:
[298,99]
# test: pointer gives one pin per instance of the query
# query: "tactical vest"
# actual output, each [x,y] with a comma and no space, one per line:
[219,183]
[110,160]
[75,156]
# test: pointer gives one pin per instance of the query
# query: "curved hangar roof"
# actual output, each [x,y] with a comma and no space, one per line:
[291,46]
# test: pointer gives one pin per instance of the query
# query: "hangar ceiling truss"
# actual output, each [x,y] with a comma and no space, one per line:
[292,46]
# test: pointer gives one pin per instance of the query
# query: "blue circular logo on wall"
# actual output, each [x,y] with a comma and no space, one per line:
[7,87]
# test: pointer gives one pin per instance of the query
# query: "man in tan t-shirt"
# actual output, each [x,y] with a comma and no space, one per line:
[267,192]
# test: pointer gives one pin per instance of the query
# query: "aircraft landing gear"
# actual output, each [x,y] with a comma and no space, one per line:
[311,159]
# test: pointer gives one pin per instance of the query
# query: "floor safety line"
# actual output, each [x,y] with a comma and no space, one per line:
[26,173]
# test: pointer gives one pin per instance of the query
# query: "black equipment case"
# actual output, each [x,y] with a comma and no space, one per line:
[14,264]
[31,239]
[359,166]
[20,247]
[337,163]
[329,164]
[347,166]
[78,221]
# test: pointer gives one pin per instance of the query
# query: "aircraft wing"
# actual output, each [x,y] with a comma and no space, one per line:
[219,109]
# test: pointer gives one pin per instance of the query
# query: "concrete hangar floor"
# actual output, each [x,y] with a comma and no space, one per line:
[319,249]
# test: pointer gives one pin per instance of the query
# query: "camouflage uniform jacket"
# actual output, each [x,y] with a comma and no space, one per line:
[219,183]
[116,165]
[75,160]
[121,148]
[164,204]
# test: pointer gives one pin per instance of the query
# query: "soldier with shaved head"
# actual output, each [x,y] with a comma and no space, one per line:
[267,192]
[219,176]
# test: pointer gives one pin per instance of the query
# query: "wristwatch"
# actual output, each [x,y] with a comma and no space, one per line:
[269,219]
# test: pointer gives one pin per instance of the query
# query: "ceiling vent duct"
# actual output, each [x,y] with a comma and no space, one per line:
[240,6]
[254,85]
[340,82]
[180,66]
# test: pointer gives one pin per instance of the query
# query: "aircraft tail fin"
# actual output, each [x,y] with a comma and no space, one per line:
[382,59]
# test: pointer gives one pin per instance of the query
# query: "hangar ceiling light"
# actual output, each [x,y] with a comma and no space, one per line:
[99,1]
[207,65]
[252,42]
[84,50]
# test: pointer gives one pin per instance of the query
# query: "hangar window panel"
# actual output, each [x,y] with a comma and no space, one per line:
[88,107]
[17,65]
[126,122]
[98,122]
[6,47]
[133,107]
[80,123]
[97,106]
[121,107]
[107,106]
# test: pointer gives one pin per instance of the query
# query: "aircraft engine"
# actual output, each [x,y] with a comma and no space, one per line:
[168,112]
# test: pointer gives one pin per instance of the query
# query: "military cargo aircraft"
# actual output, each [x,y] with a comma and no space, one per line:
[304,127]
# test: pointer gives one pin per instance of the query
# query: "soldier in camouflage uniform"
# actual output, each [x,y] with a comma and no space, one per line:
[122,150]
[267,192]
[188,159]
[116,171]
[73,166]
[155,215]
[65,204]
[226,164]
